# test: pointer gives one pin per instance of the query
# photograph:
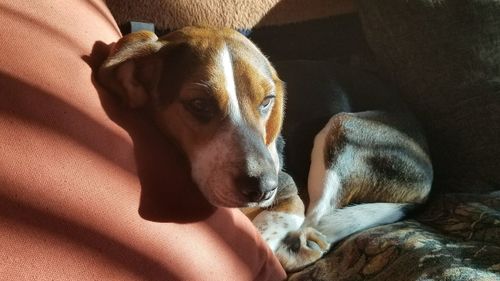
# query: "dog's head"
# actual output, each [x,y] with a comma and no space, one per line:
[217,96]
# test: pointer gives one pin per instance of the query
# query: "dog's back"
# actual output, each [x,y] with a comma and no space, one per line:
[318,90]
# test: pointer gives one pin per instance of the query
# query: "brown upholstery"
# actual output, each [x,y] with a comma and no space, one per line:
[238,14]
[88,190]
[444,57]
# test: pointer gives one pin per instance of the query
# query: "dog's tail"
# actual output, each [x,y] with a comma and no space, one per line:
[340,223]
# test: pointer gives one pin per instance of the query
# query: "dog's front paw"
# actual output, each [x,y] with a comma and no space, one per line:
[301,248]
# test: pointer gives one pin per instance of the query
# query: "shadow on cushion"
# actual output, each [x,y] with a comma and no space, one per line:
[444,57]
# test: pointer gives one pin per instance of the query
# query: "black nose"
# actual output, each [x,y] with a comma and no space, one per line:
[256,189]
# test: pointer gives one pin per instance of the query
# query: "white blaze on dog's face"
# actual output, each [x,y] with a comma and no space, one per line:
[219,98]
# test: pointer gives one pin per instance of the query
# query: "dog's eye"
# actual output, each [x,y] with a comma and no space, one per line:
[266,103]
[202,108]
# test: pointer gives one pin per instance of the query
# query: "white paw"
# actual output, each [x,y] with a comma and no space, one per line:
[274,226]
[301,248]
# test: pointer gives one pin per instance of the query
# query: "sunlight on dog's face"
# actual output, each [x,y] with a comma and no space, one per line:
[225,115]
[215,94]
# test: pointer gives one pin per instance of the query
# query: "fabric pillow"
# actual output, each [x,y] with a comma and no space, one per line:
[237,14]
[91,191]
[445,57]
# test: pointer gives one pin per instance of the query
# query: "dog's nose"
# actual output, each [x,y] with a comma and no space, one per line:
[257,189]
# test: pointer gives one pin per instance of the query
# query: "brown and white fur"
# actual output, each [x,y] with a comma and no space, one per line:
[369,163]
[217,96]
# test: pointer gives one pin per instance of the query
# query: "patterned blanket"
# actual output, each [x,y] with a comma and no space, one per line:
[454,237]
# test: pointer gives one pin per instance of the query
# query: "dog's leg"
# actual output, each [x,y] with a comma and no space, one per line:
[340,223]
[285,215]
[275,225]
[308,244]
[356,158]
[323,183]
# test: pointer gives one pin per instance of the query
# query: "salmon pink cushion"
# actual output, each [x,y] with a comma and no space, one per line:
[89,190]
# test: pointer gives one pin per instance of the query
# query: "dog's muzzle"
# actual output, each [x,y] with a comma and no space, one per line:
[258,180]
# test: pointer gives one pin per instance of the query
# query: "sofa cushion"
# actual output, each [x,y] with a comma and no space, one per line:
[444,55]
[89,190]
[238,14]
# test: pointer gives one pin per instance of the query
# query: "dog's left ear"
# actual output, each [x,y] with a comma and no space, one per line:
[130,70]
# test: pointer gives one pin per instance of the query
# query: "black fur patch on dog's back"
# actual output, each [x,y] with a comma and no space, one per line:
[388,167]
[392,168]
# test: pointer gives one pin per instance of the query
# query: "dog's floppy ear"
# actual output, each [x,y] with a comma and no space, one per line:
[129,70]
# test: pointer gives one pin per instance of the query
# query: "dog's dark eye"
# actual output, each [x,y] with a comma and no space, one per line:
[267,103]
[202,108]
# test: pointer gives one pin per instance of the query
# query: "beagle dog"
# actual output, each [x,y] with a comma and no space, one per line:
[217,96]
